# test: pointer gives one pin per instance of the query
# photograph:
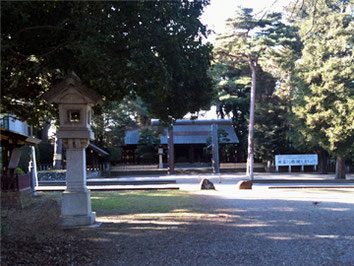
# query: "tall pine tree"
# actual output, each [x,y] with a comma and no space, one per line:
[325,95]
[248,41]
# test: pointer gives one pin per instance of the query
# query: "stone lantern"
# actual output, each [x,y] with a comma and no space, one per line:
[160,153]
[74,102]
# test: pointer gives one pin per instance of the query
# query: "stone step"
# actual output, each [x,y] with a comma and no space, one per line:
[115,187]
[182,171]
[303,181]
[111,182]
[139,172]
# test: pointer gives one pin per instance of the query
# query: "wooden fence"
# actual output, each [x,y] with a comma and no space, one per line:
[99,167]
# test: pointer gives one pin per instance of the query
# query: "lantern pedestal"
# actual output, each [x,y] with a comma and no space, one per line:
[76,209]
[76,201]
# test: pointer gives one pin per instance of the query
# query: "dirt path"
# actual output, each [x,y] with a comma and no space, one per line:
[218,228]
[279,229]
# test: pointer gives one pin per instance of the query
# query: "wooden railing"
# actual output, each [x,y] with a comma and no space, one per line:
[118,168]
[99,167]
[240,165]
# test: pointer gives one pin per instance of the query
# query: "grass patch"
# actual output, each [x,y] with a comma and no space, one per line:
[131,202]
[44,196]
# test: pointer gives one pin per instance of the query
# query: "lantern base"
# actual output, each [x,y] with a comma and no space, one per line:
[78,220]
[76,209]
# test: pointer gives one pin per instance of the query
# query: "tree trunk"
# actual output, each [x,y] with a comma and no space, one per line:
[215,149]
[253,66]
[322,161]
[340,168]
[44,132]
[269,166]
[57,157]
[171,152]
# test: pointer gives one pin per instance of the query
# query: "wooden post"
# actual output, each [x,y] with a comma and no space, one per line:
[171,152]
[215,149]
[34,169]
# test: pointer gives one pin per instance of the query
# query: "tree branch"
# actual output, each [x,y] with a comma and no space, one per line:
[264,9]
[43,27]
[313,18]
[293,11]
[39,55]
[236,62]
[233,56]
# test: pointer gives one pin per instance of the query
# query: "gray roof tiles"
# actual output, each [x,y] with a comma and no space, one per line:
[189,132]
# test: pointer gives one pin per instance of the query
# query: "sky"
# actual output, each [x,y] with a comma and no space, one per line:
[219,11]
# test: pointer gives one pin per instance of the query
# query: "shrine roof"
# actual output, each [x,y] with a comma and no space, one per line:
[11,138]
[189,132]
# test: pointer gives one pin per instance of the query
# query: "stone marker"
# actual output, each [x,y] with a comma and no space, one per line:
[244,184]
[206,184]
[75,101]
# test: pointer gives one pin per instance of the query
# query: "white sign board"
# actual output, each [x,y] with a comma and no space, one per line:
[296,160]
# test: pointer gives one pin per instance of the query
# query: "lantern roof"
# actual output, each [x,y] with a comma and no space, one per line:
[72,90]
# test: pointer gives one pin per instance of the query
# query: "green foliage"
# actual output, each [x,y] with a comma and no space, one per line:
[137,110]
[19,171]
[272,124]
[233,88]
[250,39]
[227,151]
[109,127]
[115,154]
[147,144]
[325,96]
[149,136]
[222,137]
[152,49]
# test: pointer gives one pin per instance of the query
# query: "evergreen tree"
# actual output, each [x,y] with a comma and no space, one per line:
[233,90]
[325,95]
[248,41]
[233,85]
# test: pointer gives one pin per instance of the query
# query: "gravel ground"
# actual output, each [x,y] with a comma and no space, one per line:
[228,227]
[278,227]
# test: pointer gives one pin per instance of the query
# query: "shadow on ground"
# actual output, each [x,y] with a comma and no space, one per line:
[188,229]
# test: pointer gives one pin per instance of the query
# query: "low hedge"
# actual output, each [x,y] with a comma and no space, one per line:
[52,175]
